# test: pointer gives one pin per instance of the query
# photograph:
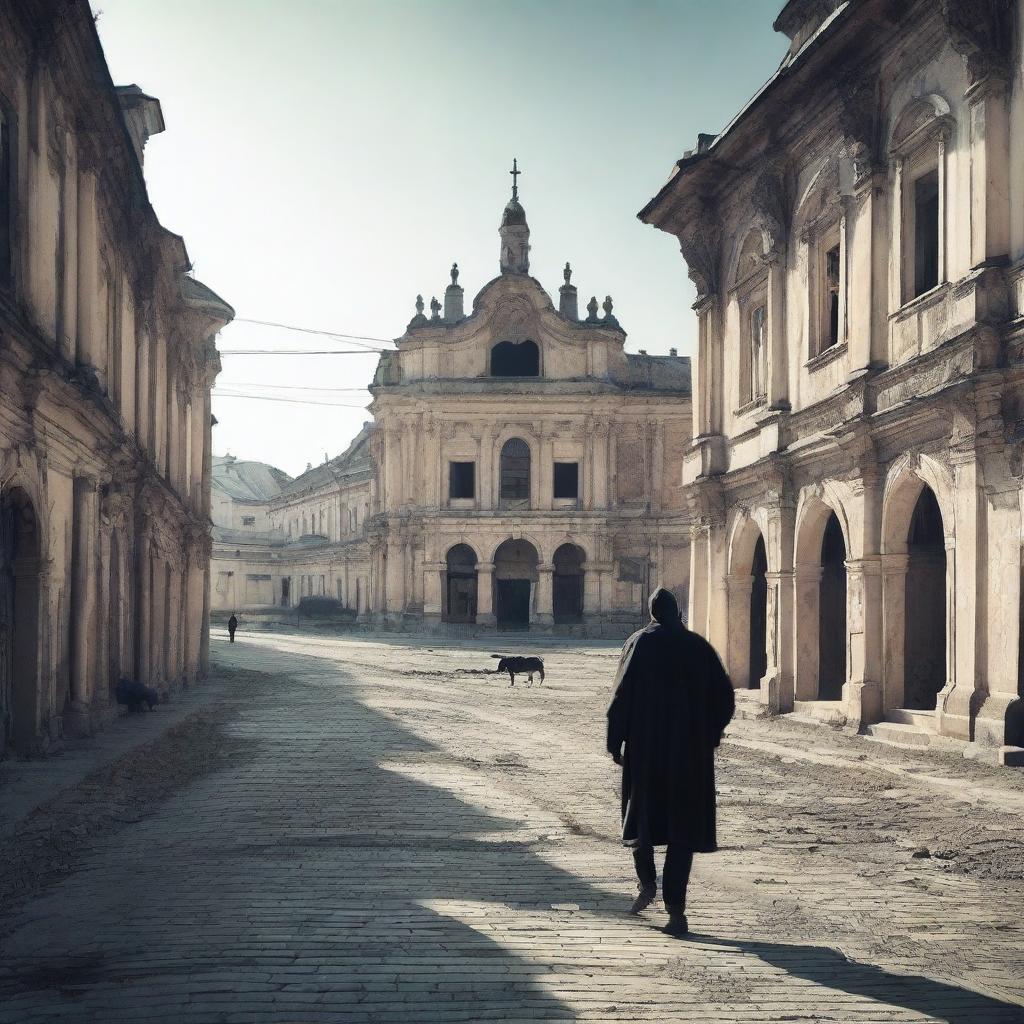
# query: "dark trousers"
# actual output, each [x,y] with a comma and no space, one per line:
[674,878]
[231,635]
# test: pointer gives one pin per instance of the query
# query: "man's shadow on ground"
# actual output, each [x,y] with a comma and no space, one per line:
[830,968]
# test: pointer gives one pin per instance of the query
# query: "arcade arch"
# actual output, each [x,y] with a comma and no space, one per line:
[567,584]
[515,577]
[460,584]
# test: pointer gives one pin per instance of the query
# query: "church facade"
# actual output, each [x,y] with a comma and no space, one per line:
[528,467]
[856,237]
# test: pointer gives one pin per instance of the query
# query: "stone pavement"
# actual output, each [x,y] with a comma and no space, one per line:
[393,834]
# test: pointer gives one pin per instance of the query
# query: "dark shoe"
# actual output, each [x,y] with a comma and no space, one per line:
[677,923]
[644,899]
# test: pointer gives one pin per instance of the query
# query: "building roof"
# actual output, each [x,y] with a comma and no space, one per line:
[660,373]
[355,461]
[247,482]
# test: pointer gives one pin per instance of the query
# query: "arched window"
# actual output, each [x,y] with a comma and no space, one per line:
[512,359]
[515,470]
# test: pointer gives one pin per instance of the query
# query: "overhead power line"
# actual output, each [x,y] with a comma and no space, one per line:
[292,401]
[311,330]
[280,387]
[297,351]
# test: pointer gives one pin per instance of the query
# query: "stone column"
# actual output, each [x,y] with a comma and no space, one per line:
[778,363]
[486,484]
[718,597]
[894,581]
[862,696]
[543,614]
[1000,719]
[965,680]
[599,465]
[89,343]
[69,186]
[990,170]
[807,588]
[198,450]
[657,468]
[591,589]
[777,684]
[434,578]
[485,594]
[544,497]
[737,653]
[697,616]
[85,562]
[101,693]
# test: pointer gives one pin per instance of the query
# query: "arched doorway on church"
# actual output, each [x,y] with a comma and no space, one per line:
[567,584]
[515,574]
[19,618]
[758,658]
[832,613]
[460,585]
[924,646]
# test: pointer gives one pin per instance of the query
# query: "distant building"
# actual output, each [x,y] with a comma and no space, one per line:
[108,358]
[856,236]
[278,540]
[522,471]
[528,467]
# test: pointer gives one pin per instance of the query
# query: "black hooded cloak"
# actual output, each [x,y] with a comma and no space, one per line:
[672,702]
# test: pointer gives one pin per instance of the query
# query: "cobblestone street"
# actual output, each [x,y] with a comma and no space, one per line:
[388,832]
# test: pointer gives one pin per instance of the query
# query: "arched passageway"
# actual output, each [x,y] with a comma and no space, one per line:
[832,613]
[515,573]
[19,618]
[460,588]
[567,584]
[924,646]
[758,658]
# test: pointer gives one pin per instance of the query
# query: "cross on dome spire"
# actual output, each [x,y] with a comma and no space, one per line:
[515,172]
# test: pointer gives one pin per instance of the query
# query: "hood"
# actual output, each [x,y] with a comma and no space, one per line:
[665,608]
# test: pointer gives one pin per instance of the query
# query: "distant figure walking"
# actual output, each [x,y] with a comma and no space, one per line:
[232,626]
[672,702]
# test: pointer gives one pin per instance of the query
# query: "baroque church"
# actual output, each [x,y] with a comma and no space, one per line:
[524,472]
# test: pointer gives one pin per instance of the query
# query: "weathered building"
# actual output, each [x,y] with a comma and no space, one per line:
[528,467]
[856,236]
[278,540]
[106,361]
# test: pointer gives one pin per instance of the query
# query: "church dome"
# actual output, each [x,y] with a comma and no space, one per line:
[514,214]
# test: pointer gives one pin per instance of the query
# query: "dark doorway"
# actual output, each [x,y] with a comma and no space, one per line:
[758,616]
[513,604]
[19,618]
[286,591]
[567,584]
[461,584]
[511,359]
[924,666]
[832,613]
[515,570]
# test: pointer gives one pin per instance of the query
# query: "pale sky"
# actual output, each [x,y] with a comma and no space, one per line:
[325,160]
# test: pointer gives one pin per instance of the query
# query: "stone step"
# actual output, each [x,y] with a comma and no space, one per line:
[819,712]
[924,720]
[898,733]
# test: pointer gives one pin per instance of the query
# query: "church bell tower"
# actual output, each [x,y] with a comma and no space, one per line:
[514,232]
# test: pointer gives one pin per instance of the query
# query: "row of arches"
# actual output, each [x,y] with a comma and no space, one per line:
[513,580]
[914,607]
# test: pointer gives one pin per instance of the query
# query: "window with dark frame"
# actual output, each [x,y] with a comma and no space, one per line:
[758,387]
[567,480]
[926,232]
[462,480]
[831,298]
[248,520]
[515,470]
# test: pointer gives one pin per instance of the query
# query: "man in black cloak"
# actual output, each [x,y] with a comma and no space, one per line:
[232,626]
[672,702]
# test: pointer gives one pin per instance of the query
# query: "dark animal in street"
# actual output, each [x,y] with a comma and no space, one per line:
[134,694]
[528,666]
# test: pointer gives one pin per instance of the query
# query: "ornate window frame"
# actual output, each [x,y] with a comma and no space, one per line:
[920,140]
